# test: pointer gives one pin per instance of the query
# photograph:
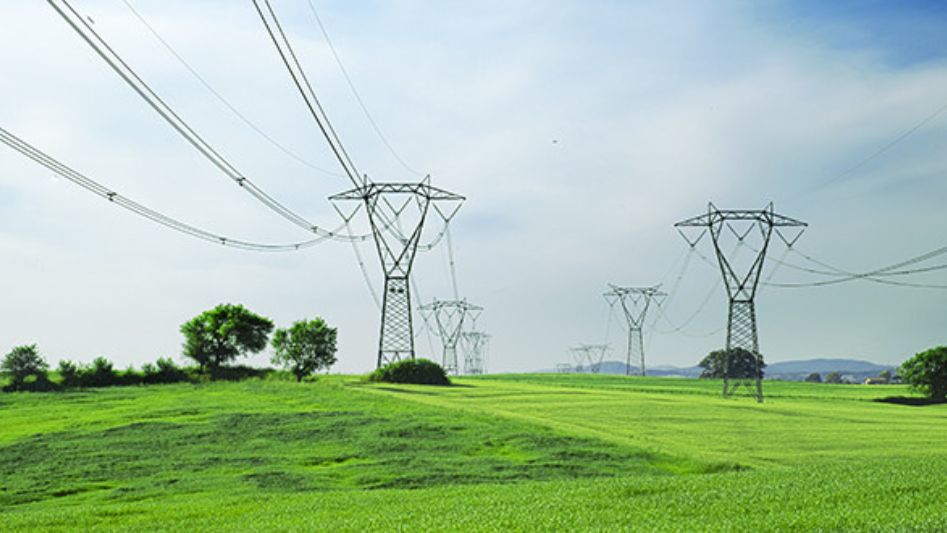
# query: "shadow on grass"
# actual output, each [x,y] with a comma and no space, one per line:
[907,400]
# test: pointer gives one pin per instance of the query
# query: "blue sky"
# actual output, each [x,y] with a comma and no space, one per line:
[656,110]
[904,33]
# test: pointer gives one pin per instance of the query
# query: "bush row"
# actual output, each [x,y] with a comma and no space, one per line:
[28,371]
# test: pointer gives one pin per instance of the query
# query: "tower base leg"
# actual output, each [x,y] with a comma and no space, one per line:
[397,340]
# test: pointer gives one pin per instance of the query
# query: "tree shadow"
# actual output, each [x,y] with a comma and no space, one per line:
[907,400]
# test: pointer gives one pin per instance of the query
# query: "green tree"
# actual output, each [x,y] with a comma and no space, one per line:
[833,377]
[22,363]
[222,334]
[742,364]
[814,377]
[885,375]
[306,347]
[927,372]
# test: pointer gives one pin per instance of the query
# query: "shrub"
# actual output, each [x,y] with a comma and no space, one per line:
[416,371]
[238,373]
[99,374]
[163,371]
[69,374]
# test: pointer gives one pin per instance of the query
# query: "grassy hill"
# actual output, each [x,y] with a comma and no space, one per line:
[498,452]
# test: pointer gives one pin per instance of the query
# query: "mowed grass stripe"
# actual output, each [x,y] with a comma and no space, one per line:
[792,429]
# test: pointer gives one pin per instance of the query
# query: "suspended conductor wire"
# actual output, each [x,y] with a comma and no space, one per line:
[355,93]
[666,301]
[608,321]
[450,256]
[885,148]
[700,308]
[233,109]
[301,81]
[424,318]
[364,270]
[875,276]
[102,191]
[105,51]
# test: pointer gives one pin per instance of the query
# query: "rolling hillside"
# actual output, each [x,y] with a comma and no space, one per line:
[493,453]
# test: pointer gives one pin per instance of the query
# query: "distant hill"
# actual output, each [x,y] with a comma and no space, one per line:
[853,369]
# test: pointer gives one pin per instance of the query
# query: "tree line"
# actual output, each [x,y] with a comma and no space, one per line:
[213,340]
[925,372]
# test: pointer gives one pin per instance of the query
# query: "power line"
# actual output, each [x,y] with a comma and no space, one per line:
[450,255]
[105,51]
[875,276]
[233,109]
[886,147]
[301,81]
[355,93]
[102,191]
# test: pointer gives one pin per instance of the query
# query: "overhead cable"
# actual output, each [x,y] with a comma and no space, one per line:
[886,147]
[301,81]
[102,191]
[233,109]
[355,93]
[105,51]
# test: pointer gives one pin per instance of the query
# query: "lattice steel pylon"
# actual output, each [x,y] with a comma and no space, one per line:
[396,214]
[475,344]
[741,288]
[635,302]
[450,316]
[591,355]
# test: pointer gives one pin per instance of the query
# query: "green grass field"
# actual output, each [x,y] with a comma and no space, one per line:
[510,452]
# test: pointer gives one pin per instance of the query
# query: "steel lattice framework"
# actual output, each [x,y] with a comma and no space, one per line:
[475,344]
[396,214]
[742,283]
[635,302]
[591,355]
[451,316]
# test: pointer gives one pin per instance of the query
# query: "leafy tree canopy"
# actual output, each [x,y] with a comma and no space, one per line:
[23,362]
[741,364]
[814,377]
[927,372]
[222,334]
[306,347]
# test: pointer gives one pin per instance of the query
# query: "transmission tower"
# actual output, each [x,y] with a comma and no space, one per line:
[742,279]
[450,317]
[475,345]
[635,302]
[396,214]
[590,356]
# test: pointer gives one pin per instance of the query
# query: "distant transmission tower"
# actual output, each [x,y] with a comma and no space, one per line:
[635,302]
[396,213]
[741,288]
[450,317]
[475,345]
[590,355]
